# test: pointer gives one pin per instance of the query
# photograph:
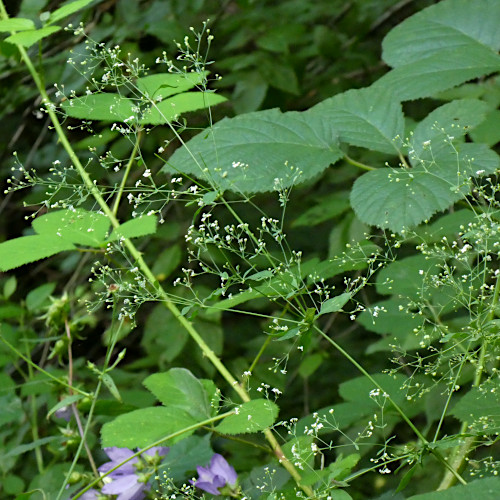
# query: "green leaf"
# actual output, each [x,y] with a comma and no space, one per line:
[103,106]
[334,304]
[16,24]
[179,388]
[405,277]
[76,226]
[253,416]
[133,228]
[183,457]
[326,208]
[371,118]
[36,297]
[452,24]
[67,10]
[480,408]
[247,153]
[402,198]
[164,85]
[19,251]
[169,109]
[110,384]
[485,489]
[30,37]
[140,428]
[442,46]
[453,119]
[64,402]
[488,132]
[438,72]
[9,287]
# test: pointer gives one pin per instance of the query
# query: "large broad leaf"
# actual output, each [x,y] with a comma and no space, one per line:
[76,226]
[438,72]
[164,85]
[484,489]
[249,152]
[169,109]
[16,24]
[133,228]
[453,119]
[402,198]
[480,408]
[19,251]
[371,118]
[179,388]
[452,24]
[140,428]
[253,416]
[442,46]
[104,106]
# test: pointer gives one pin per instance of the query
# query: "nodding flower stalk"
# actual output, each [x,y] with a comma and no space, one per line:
[140,262]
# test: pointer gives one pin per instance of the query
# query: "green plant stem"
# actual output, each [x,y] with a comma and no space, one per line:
[193,427]
[460,454]
[358,164]
[420,436]
[123,183]
[40,369]
[94,190]
[34,421]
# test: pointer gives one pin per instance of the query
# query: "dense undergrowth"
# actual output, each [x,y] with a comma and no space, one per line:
[281,282]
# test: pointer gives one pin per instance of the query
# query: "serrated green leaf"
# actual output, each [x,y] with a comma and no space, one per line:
[453,119]
[16,24]
[485,489]
[480,408]
[334,304]
[30,37]
[247,153]
[169,109]
[19,251]
[179,388]
[371,118]
[104,106]
[402,198]
[442,46]
[438,72]
[451,24]
[76,226]
[164,85]
[67,10]
[140,428]
[254,416]
[133,228]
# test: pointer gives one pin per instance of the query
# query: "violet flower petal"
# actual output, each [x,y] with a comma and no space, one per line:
[208,487]
[134,493]
[120,484]
[220,467]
